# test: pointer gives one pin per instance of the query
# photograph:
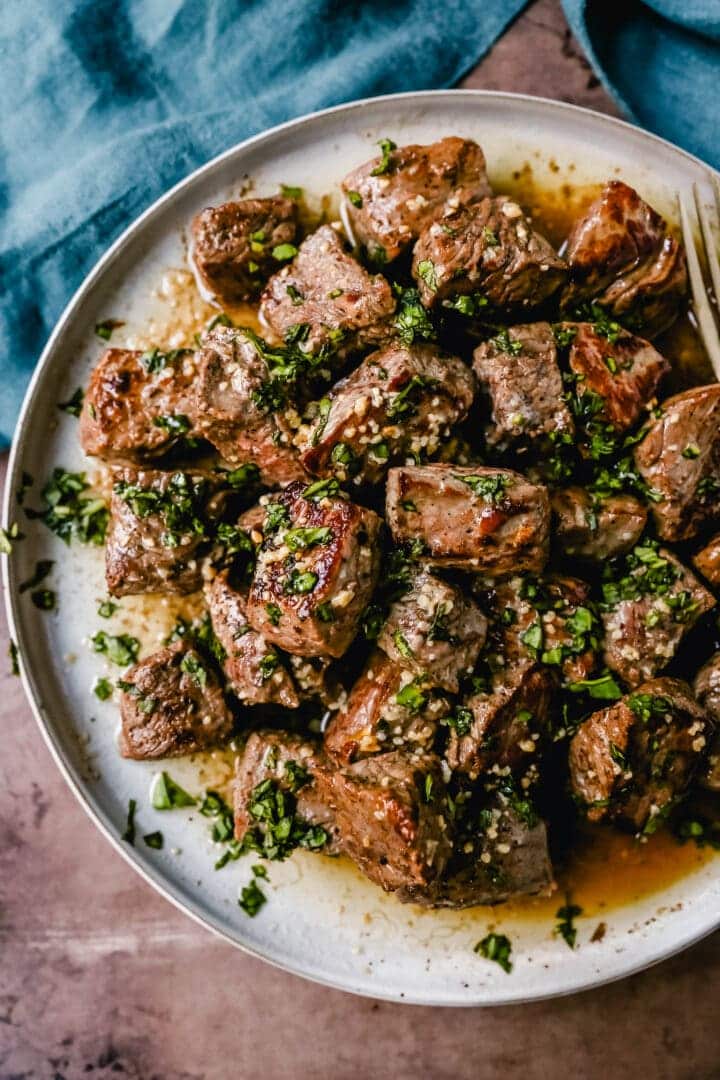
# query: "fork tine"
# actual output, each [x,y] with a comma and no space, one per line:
[708,239]
[703,311]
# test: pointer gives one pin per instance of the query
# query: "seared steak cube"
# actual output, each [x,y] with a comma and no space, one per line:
[493,521]
[490,249]
[399,401]
[435,631]
[391,199]
[172,704]
[326,290]
[277,766]
[505,856]
[388,709]
[392,814]
[138,405]
[518,372]
[503,723]
[254,670]
[315,572]
[161,525]
[233,410]
[630,762]
[594,528]
[233,245]
[650,603]
[707,561]
[680,459]
[706,687]
[615,380]
[619,254]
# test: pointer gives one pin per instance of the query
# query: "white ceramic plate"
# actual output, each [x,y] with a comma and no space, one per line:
[321,921]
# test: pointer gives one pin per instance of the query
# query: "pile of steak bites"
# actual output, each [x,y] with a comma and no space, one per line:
[453,538]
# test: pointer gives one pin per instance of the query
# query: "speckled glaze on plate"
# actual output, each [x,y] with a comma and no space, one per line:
[322,920]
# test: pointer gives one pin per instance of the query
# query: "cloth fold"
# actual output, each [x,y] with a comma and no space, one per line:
[107,103]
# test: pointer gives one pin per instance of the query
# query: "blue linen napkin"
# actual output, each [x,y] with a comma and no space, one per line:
[107,103]
[661,61]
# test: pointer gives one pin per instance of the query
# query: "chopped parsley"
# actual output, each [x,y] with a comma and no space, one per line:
[70,514]
[498,948]
[277,830]
[490,488]
[460,720]
[243,476]
[194,667]
[129,835]
[74,405]
[643,572]
[412,697]
[180,504]
[42,569]
[386,148]
[155,361]
[603,688]
[412,321]
[7,536]
[402,646]
[168,795]
[325,612]
[173,425]
[304,537]
[268,665]
[691,451]
[504,343]
[490,237]
[648,707]
[106,609]
[154,840]
[426,271]
[300,582]
[564,335]
[121,649]
[284,252]
[470,305]
[321,489]
[105,328]
[274,614]
[291,192]
[566,926]
[44,599]
[405,402]
[103,689]
[355,198]
[252,898]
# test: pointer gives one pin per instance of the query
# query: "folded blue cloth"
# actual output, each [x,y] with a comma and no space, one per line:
[107,104]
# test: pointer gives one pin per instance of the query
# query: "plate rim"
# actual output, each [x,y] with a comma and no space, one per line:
[185,902]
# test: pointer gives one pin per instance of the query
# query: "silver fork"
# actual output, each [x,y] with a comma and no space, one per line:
[705,311]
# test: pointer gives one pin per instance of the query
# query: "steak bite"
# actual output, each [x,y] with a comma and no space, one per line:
[399,401]
[254,671]
[650,602]
[172,704]
[316,570]
[620,255]
[588,527]
[280,796]
[161,525]
[235,410]
[631,762]
[518,372]
[326,290]
[616,377]
[235,245]
[137,405]
[505,856]
[707,561]
[435,631]
[390,200]
[493,521]
[393,817]
[706,687]
[388,709]
[490,249]
[680,459]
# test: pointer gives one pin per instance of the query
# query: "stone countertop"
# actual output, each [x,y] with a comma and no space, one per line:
[100,977]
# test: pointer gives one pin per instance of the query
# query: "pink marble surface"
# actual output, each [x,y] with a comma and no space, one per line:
[100,977]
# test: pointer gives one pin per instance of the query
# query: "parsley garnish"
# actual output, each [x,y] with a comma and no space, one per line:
[68,513]
[274,614]
[106,609]
[504,343]
[496,947]
[490,488]
[302,538]
[300,582]
[471,305]
[386,148]
[412,321]
[291,192]
[192,666]
[460,720]
[105,329]
[154,840]
[42,569]
[402,646]
[426,271]
[405,402]
[75,404]
[566,926]
[355,198]
[321,489]
[604,688]
[103,689]
[121,650]
[252,898]
[412,697]
[44,599]
[129,835]
[168,795]
[284,252]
